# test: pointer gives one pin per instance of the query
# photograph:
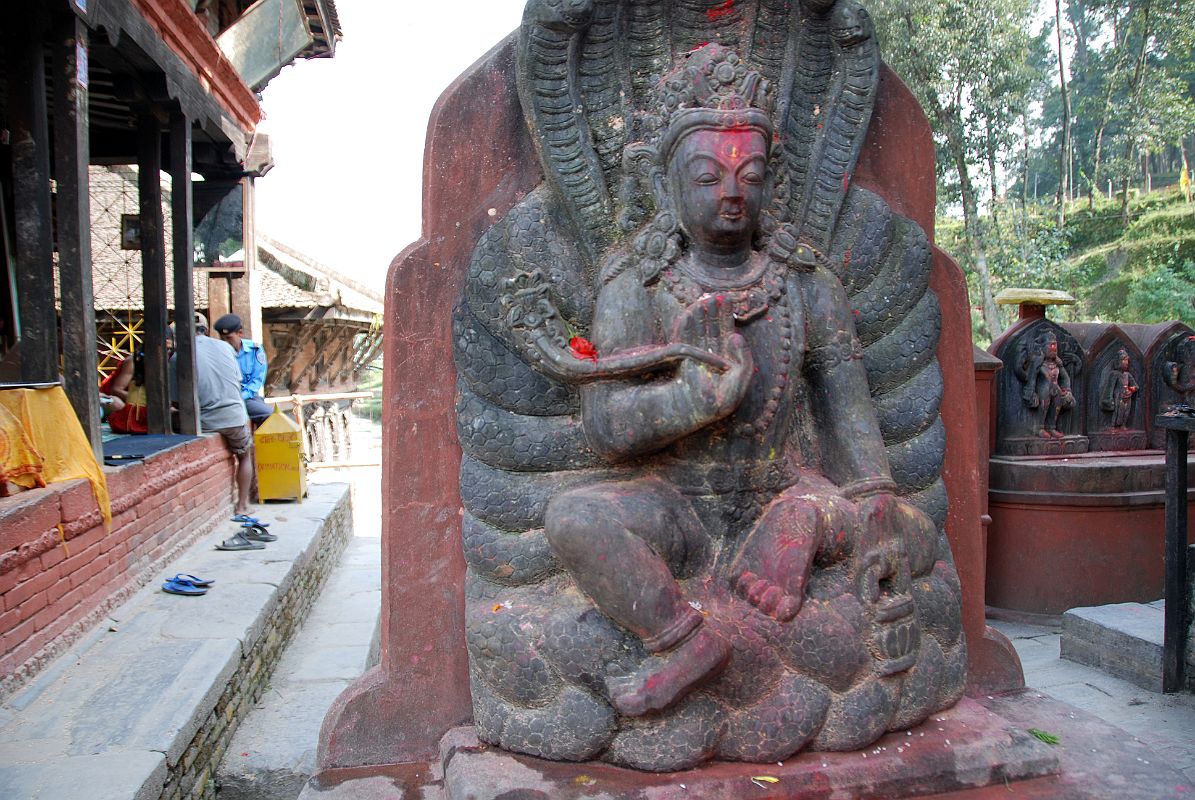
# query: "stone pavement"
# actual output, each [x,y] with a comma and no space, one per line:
[144,705]
[1164,723]
[272,753]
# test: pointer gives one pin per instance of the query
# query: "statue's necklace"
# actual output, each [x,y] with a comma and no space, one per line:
[766,292]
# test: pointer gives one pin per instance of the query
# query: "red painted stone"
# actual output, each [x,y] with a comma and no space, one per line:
[398,711]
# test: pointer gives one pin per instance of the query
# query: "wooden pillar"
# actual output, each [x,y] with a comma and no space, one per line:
[1176,623]
[29,132]
[153,271]
[181,214]
[71,156]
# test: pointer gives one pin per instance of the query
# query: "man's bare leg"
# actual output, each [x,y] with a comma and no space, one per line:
[244,480]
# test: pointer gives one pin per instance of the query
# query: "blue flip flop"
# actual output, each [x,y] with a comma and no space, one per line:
[185,588]
[203,583]
[245,518]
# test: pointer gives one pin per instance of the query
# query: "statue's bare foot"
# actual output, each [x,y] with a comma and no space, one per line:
[669,676]
[767,597]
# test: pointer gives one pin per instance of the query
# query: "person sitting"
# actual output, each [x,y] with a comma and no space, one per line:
[222,409]
[251,358]
[123,397]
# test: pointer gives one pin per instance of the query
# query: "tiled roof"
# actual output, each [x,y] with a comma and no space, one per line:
[289,279]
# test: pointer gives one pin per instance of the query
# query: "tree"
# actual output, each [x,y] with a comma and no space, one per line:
[969,62]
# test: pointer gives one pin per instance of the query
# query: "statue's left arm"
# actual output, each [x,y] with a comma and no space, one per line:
[852,448]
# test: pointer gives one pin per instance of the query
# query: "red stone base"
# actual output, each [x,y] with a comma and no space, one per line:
[1095,761]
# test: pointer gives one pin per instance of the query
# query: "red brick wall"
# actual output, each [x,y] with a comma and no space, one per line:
[49,594]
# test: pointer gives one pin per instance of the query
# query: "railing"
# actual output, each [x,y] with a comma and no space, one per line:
[327,438]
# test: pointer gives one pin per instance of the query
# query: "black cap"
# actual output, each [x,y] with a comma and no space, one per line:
[229,323]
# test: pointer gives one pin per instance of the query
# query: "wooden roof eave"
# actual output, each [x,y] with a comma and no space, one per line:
[169,34]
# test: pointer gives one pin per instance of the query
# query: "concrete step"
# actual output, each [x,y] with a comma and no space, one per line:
[1122,639]
[272,754]
[144,706]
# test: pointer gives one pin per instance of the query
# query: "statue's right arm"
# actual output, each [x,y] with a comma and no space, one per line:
[626,418]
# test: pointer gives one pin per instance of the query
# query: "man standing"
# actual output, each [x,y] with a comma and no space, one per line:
[251,357]
[222,410]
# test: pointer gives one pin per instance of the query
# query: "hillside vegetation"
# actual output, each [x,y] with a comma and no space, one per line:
[1139,270]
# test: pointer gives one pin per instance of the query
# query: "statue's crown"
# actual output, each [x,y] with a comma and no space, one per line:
[712,88]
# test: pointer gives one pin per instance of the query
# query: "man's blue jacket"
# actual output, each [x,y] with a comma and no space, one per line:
[252,360]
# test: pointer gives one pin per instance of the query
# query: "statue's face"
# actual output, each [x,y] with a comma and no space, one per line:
[717,185]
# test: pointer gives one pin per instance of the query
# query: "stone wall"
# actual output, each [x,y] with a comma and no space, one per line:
[192,776]
[61,571]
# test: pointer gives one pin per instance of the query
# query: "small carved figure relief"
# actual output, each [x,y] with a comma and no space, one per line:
[1180,373]
[1119,391]
[1047,383]
[699,402]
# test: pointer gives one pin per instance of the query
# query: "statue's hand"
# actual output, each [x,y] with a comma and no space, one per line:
[886,519]
[709,324]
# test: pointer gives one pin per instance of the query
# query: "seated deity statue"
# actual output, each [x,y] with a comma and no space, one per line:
[702,503]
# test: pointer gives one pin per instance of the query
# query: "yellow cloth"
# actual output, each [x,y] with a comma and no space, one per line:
[19,460]
[49,424]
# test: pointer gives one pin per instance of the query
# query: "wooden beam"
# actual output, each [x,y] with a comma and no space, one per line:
[71,146]
[29,131]
[181,215]
[153,271]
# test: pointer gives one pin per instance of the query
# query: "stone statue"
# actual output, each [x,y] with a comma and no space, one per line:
[699,402]
[1118,391]
[1047,383]
[1180,373]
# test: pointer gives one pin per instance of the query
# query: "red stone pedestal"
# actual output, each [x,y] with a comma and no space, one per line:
[965,747]
[1080,531]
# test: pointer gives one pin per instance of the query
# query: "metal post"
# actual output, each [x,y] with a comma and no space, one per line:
[30,139]
[182,211]
[71,156]
[153,271]
[1174,645]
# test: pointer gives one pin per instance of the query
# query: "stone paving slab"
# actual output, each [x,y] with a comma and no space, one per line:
[1166,723]
[115,712]
[115,775]
[1124,639]
[272,754]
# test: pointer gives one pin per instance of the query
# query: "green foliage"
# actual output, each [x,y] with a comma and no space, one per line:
[1163,292]
[371,381]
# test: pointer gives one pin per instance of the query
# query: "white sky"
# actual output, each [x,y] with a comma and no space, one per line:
[348,132]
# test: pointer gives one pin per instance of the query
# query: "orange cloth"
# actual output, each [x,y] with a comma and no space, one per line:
[49,424]
[19,460]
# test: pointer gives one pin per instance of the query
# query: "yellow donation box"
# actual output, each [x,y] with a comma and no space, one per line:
[281,467]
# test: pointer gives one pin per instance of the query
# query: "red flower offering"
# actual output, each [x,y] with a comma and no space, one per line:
[582,348]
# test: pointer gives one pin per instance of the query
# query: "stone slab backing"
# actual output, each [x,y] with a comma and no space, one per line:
[145,705]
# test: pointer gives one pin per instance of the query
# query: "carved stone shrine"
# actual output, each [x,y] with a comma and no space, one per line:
[687,495]
[1077,475]
[698,403]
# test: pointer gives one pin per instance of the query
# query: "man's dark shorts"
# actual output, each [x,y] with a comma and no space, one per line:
[238,439]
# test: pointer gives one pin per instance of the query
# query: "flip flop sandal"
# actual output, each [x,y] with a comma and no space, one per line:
[194,581]
[239,542]
[184,588]
[250,520]
[256,534]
